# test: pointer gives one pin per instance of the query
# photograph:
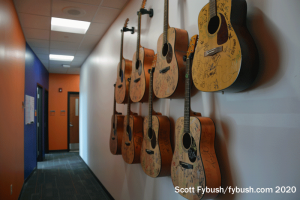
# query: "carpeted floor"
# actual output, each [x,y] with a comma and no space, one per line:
[63,176]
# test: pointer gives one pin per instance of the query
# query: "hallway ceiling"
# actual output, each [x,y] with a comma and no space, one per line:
[35,18]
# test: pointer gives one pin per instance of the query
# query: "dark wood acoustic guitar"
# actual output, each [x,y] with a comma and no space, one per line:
[142,60]
[226,57]
[132,135]
[168,80]
[116,134]
[194,162]
[123,73]
[156,151]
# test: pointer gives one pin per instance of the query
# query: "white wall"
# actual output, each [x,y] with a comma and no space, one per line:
[258,130]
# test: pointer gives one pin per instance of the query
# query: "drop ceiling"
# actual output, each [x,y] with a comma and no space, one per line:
[35,18]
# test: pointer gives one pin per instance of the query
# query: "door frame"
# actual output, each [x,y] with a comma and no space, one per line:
[68,121]
[46,136]
[41,125]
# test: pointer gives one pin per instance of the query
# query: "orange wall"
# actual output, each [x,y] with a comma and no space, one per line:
[12,81]
[58,127]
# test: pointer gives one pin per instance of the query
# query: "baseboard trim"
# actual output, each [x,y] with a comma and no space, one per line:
[97,179]
[26,182]
[58,151]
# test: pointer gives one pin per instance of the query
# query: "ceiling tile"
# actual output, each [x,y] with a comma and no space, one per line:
[63,52]
[45,63]
[73,71]
[97,29]
[79,59]
[61,70]
[114,3]
[36,34]
[58,64]
[36,7]
[82,53]
[58,6]
[40,50]
[63,45]
[66,37]
[106,15]
[43,56]
[92,2]
[76,65]
[35,21]
[38,43]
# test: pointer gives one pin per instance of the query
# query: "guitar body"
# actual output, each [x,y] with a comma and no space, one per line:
[204,170]
[115,141]
[170,84]
[121,92]
[235,67]
[156,153]
[139,88]
[131,147]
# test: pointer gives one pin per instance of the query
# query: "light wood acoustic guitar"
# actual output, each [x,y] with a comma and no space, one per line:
[123,73]
[132,135]
[226,57]
[156,151]
[194,162]
[142,60]
[116,134]
[168,80]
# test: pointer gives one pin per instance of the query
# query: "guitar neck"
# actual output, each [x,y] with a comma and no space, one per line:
[128,105]
[150,100]
[187,101]
[212,8]
[166,21]
[138,37]
[121,49]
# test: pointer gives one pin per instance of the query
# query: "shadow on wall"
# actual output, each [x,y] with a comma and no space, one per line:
[263,32]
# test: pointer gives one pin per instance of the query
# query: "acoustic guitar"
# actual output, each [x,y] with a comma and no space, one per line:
[142,60]
[115,139]
[168,80]
[156,151]
[132,135]
[194,162]
[226,57]
[123,73]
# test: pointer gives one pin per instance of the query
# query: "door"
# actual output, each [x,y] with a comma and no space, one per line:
[73,116]
[46,144]
[39,123]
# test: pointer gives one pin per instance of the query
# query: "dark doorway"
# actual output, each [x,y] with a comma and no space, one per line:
[46,144]
[73,121]
[39,123]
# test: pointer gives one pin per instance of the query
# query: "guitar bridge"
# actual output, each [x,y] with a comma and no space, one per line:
[119,86]
[137,80]
[213,51]
[149,151]
[113,138]
[164,70]
[127,143]
[185,165]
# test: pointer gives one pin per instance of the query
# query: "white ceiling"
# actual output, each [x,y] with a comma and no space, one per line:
[35,18]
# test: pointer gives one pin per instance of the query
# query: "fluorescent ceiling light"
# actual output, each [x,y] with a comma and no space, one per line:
[66,65]
[68,25]
[61,57]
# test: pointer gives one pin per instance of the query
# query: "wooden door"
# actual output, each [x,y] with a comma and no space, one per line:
[74,121]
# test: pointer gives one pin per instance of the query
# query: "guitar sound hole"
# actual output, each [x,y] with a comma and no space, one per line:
[150,133]
[167,52]
[186,140]
[138,66]
[152,137]
[165,49]
[121,75]
[128,131]
[213,24]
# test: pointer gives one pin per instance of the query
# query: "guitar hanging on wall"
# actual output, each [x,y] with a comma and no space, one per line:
[123,73]
[226,57]
[115,140]
[156,151]
[194,162]
[132,135]
[168,80]
[142,60]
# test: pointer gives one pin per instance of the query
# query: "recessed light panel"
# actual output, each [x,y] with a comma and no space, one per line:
[68,25]
[68,66]
[60,57]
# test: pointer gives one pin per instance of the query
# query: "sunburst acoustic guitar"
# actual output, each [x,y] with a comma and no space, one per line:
[156,151]
[123,73]
[168,80]
[142,60]
[132,135]
[194,162]
[226,57]
[116,134]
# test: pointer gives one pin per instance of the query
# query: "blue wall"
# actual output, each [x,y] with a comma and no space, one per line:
[35,73]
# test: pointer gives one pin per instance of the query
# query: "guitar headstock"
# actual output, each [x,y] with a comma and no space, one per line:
[192,46]
[153,64]
[126,22]
[143,4]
